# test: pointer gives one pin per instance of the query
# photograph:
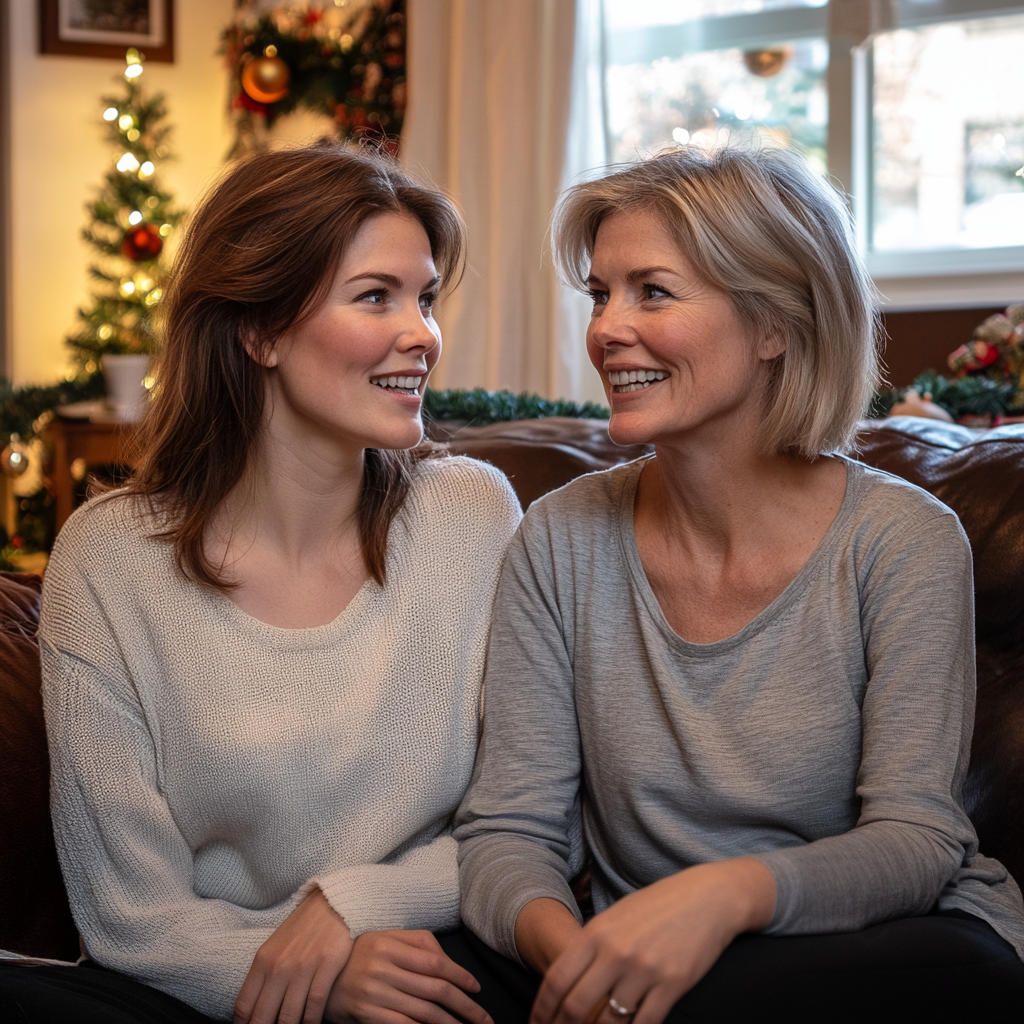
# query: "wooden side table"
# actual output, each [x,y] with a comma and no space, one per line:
[97,441]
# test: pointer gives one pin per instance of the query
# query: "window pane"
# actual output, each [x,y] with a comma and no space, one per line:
[635,13]
[949,136]
[777,93]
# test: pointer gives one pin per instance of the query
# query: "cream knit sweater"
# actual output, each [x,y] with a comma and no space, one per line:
[210,769]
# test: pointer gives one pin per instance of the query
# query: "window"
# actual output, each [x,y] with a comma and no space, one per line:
[926,126]
[947,133]
[736,75]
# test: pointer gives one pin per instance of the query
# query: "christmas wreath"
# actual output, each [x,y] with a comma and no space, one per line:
[343,61]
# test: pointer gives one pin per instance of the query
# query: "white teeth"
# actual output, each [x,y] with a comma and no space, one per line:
[401,383]
[625,378]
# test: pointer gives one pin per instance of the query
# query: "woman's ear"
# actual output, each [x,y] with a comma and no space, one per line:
[258,351]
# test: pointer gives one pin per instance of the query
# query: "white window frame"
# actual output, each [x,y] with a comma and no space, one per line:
[907,279]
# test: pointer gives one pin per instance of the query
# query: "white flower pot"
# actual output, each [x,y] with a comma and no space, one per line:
[126,393]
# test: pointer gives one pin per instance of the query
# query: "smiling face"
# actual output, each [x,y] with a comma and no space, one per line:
[354,372]
[674,358]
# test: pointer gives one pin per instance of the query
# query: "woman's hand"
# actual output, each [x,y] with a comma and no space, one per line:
[398,977]
[651,947]
[294,971]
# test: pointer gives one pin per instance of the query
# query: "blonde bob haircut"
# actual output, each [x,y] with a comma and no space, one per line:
[778,240]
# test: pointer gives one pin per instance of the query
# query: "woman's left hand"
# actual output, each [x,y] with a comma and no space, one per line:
[651,947]
[294,971]
[403,977]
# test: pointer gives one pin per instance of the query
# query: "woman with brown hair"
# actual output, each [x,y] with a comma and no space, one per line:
[262,658]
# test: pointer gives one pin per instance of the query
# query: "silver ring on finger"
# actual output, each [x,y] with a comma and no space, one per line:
[619,1010]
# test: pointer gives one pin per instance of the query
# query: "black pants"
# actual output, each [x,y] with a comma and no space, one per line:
[85,995]
[948,967]
[944,967]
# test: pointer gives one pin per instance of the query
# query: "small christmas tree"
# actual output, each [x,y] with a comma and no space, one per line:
[130,221]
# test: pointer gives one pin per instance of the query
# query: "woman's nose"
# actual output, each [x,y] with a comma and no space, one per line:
[612,325]
[419,333]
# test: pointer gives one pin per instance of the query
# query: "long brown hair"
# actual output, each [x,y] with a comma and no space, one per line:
[258,257]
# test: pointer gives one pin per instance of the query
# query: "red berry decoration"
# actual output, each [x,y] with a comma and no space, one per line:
[142,242]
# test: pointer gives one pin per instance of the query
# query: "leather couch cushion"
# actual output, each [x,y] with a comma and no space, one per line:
[544,454]
[34,915]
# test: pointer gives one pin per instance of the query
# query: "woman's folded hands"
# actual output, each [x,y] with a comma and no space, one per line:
[636,959]
[311,969]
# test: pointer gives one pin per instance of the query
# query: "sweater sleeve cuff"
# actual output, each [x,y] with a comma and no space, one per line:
[780,864]
[421,890]
[500,874]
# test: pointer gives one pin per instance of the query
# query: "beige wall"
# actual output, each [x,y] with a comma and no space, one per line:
[58,155]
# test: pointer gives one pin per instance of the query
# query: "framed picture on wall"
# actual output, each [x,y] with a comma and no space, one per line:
[106,28]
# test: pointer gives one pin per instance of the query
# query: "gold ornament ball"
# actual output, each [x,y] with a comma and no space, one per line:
[265,79]
[768,62]
[14,459]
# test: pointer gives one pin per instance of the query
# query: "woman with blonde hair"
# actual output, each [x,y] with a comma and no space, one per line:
[739,674]
[262,658]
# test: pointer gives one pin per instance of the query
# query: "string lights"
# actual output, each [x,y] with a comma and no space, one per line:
[131,219]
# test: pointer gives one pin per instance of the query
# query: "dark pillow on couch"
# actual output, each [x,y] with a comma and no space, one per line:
[34,915]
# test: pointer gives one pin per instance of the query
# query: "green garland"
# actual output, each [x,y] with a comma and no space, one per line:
[959,396]
[21,408]
[352,71]
[480,406]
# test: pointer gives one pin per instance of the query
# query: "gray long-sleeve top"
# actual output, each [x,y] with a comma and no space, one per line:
[829,737]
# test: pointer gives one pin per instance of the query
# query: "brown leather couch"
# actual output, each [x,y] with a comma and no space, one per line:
[979,475]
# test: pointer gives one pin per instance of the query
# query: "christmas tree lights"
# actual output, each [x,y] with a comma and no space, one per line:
[131,218]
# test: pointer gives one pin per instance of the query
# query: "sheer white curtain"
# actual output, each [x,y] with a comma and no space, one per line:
[492,119]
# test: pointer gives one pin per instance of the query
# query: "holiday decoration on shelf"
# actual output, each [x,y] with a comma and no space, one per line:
[344,60]
[24,413]
[997,350]
[987,386]
[131,218]
[14,458]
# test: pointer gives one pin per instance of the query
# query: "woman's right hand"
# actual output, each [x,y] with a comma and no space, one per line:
[294,971]
[647,949]
[402,977]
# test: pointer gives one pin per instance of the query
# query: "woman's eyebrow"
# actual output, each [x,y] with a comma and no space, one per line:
[373,275]
[642,272]
[395,282]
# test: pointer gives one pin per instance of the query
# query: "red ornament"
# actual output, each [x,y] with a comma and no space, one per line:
[142,242]
[243,101]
